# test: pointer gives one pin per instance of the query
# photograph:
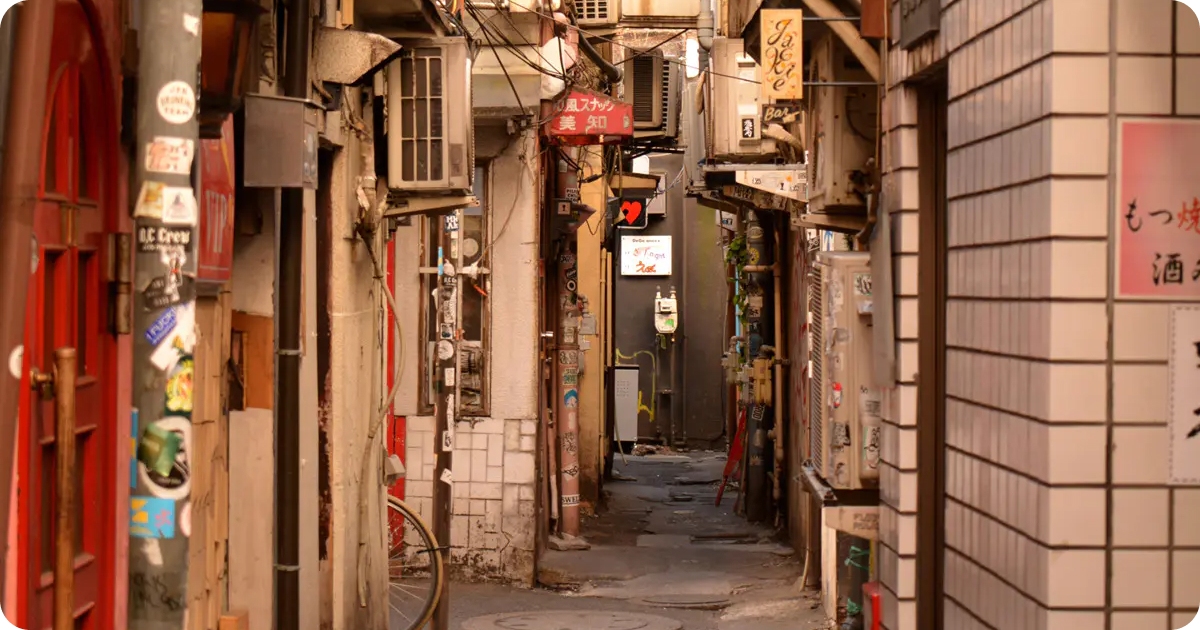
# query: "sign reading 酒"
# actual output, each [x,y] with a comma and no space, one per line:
[1158,210]
[782,55]
[585,115]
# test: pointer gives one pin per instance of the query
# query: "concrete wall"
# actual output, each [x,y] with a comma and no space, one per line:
[354,397]
[492,535]
[1058,510]
[591,266]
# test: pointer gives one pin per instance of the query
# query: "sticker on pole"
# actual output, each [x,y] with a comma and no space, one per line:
[176,102]
[150,201]
[172,156]
[179,206]
[162,327]
[163,466]
[165,240]
[151,517]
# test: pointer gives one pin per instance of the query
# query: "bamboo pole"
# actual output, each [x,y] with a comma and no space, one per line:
[64,505]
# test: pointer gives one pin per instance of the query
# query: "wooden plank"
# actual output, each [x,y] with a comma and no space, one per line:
[258,358]
[874,19]
[235,620]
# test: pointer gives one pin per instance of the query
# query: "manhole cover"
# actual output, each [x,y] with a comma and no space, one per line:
[692,602]
[571,620]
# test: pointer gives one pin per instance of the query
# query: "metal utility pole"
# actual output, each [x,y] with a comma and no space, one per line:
[443,482]
[26,76]
[164,311]
[567,377]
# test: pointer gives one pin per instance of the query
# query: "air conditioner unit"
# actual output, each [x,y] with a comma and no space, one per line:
[844,422]
[643,87]
[693,135]
[597,12]
[431,138]
[660,9]
[842,126]
[735,89]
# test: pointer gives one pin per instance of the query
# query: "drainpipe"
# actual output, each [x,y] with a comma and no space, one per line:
[289,272]
[704,32]
[27,33]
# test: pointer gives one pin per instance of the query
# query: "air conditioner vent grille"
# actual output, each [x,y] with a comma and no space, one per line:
[422,129]
[667,69]
[592,10]
[644,87]
[816,422]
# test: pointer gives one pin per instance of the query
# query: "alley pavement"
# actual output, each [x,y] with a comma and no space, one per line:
[661,556]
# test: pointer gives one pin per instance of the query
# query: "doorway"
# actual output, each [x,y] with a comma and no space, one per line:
[931,358]
[67,307]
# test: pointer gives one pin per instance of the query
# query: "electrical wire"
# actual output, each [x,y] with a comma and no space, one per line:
[592,35]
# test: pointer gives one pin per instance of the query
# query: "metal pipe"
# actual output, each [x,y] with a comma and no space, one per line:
[164,277]
[29,65]
[64,479]
[611,72]
[289,245]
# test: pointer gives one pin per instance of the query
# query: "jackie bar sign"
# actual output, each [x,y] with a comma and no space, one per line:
[782,55]
[585,116]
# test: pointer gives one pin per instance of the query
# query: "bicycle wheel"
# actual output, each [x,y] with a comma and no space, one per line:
[415,568]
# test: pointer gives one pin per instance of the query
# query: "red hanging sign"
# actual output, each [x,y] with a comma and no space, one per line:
[591,118]
[217,181]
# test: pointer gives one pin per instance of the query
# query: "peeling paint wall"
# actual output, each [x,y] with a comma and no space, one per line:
[495,470]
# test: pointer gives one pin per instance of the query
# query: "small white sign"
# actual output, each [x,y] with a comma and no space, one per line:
[172,156]
[176,102]
[1183,456]
[179,206]
[645,255]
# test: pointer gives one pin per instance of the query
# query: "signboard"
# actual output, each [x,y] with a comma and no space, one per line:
[726,220]
[584,116]
[757,198]
[1158,208]
[1183,332]
[629,213]
[779,113]
[792,184]
[749,128]
[919,20]
[645,255]
[217,180]
[782,54]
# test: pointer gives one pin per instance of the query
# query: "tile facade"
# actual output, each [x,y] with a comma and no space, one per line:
[1044,529]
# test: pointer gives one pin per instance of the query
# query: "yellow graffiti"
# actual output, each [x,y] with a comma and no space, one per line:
[653,379]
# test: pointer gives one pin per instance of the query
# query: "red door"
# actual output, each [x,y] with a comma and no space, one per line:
[66,303]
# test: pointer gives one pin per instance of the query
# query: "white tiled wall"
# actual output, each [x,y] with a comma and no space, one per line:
[1036,520]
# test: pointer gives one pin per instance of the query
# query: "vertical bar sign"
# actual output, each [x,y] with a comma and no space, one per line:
[782,55]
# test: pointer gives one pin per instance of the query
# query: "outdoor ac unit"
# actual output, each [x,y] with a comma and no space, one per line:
[693,139]
[841,129]
[736,131]
[643,87]
[431,138]
[844,422]
[660,8]
[597,12]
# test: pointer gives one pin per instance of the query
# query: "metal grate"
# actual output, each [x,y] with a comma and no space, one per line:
[644,87]
[816,353]
[667,69]
[422,131]
[592,10]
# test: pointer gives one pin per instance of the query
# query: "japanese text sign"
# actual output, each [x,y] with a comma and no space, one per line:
[215,251]
[1183,334]
[1158,207]
[585,115]
[782,55]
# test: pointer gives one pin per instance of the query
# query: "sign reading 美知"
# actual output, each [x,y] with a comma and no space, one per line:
[585,117]
[1158,210]
[782,55]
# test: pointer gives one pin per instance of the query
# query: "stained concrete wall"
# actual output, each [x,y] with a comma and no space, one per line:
[593,407]
[495,471]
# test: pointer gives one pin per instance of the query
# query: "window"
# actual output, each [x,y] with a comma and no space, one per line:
[462,238]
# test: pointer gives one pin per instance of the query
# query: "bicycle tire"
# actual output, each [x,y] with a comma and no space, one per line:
[436,563]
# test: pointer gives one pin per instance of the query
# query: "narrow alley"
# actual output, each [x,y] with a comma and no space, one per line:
[662,556]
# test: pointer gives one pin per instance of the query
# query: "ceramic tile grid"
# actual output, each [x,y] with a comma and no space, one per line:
[1028,416]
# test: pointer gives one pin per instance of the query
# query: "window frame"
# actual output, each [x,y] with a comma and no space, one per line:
[427,264]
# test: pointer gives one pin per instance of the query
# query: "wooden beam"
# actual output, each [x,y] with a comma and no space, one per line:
[867,55]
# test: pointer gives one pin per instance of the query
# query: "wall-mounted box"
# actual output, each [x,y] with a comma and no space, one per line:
[281,142]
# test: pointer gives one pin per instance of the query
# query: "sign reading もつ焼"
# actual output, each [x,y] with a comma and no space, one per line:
[1158,210]
[585,116]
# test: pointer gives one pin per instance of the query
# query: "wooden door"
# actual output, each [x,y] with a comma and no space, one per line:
[66,303]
